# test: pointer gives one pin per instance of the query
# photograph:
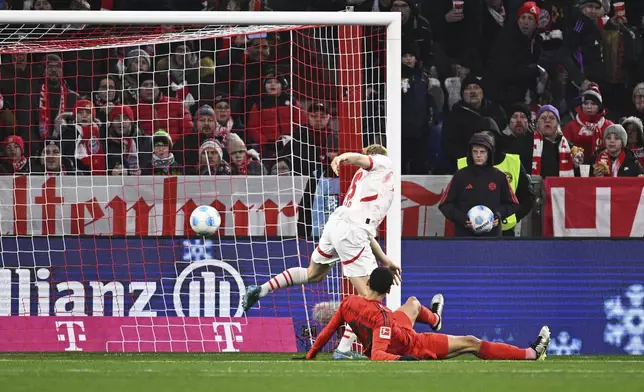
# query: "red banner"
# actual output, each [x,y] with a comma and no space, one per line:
[594,207]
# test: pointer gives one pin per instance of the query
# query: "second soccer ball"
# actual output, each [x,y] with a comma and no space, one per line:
[205,220]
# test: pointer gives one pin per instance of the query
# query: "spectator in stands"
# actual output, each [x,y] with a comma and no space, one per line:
[310,143]
[14,161]
[479,183]
[638,102]
[105,97]
[583,39]
[415,30]
[119,168]
[158,111]
[458,32]
[122,144]
[187,148]
[206,89]
[635,131]
[494,18]
[17,81]
[512,69]
[272,116]
[587,129]
[615,160]
[242,161]
[211,160]
[54,100]
[51,162]
[7,120]
[163,162]
[518,135]
[225,124]
[460,123]
[552,155]
[417,112]
[136,61]
[89,151]
[182,68]
[42,5]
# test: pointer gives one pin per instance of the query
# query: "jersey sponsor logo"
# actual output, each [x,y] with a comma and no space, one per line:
[385,333]
[492,186]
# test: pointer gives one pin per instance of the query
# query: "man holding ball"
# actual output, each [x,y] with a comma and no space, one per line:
[478,184]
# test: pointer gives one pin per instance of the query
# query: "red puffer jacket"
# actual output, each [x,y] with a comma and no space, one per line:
[271,118]
[587,131]
[169,114]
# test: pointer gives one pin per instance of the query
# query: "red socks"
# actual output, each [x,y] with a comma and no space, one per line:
[491,350]
[426,316]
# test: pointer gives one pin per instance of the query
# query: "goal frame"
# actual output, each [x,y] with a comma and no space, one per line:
[391,20]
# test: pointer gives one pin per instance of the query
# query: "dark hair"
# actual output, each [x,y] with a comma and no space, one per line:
[381,280]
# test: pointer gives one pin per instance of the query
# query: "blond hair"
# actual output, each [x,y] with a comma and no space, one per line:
[374,149]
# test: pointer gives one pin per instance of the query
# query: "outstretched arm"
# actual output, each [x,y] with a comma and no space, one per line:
[326,334]
[386,261]
[351,158]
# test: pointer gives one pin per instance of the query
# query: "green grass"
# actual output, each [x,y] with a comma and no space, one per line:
[72,372]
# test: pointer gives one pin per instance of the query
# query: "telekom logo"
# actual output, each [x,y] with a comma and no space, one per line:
[69,334]
[232,335]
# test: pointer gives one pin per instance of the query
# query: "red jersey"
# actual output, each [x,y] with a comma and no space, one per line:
[373,323]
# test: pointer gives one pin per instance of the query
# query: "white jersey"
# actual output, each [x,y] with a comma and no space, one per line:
[370,195]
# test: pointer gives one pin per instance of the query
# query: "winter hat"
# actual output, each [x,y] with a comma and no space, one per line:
[235,143]
[488,124]
[551,109]
[15,139]
[135,54]
[51,141]
[211,143]
[84,104]
[638,90]
[162,136]
[410,48]
[583,3]
[469,80]
[637,123]
[618,131]
[530,7]
[121,109]
[481,139]
[593,94]
[521,108]
[145,76]
[316,107]
[53,58]
[206,111]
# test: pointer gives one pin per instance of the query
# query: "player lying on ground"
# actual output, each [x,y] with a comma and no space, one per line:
[348,236]
[388,335]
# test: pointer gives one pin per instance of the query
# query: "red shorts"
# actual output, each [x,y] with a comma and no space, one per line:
[426,345]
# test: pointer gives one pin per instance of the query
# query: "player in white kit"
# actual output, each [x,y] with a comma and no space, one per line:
[348,236]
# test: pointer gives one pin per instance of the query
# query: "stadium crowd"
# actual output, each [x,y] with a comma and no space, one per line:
[225,106]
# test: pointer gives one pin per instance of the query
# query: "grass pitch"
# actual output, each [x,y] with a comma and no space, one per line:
[72,372]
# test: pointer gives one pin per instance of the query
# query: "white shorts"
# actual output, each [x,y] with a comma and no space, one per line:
[345,242]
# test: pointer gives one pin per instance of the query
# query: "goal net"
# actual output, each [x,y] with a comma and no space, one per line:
[116,126]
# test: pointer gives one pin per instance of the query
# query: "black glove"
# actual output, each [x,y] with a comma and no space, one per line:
[408,358]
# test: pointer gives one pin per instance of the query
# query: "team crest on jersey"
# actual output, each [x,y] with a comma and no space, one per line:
[492,186]
[95,146]
[385,333]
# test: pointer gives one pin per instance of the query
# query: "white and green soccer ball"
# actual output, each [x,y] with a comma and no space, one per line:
[205,220]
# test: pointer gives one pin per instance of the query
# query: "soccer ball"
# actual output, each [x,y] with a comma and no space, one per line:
[482,219]
[205,220]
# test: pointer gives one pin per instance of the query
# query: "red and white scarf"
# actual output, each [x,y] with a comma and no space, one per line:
[605,158]
[89,149]
[222,131]
[639,154]
[46,122]
[592,125]
[565,157]
[19,164]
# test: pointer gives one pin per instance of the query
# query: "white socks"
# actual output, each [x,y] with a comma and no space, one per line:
[346,344]
[288,278]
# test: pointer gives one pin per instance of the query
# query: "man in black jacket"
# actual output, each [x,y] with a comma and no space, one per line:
[480,183]
[461,122]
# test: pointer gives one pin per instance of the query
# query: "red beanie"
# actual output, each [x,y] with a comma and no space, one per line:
[530,7]
[16,140]
[84,104]
[121,109]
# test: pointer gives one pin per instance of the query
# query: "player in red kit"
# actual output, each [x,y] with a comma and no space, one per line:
[388,335]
